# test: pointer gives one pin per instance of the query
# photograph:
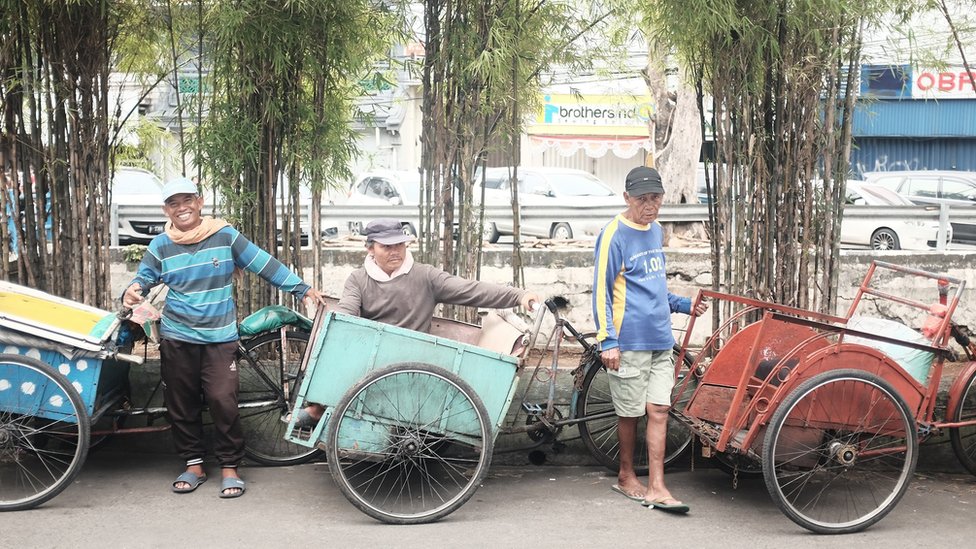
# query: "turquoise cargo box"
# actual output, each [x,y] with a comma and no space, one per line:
[345,349]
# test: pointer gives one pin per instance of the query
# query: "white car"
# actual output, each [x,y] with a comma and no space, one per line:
[384,188]
[546,187]
[138,187]
[887,233]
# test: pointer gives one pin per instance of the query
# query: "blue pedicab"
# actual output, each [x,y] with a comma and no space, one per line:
[64,388]
[410,418]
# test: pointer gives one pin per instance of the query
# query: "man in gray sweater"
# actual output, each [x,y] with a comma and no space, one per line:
[391,288]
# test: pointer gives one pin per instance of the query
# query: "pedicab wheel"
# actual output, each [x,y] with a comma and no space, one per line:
[840,451]
[964,438]
[409,443]
[268,374]
[600,435]
[44,430]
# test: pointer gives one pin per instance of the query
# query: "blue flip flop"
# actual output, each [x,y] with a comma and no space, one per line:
[192,479]
[229,483]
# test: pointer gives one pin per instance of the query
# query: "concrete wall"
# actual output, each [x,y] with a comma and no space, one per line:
[569,272]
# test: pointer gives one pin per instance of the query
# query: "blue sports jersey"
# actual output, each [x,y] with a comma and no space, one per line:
[200,303]
[631,303]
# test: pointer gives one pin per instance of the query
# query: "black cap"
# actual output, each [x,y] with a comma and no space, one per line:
[643,180]
[385,231]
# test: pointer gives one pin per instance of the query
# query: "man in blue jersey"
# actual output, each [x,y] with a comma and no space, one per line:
[196,258]
[632,310]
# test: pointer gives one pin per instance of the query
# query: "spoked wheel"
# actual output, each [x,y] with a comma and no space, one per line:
[840,451]
[600,435]
[44,430]
[409,443]
[964,438]
[268,377]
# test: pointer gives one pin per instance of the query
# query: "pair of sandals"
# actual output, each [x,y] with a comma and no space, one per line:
[227,485]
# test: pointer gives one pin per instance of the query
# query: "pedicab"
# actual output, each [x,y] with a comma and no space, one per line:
[410,418]
[831,409]
[64,387]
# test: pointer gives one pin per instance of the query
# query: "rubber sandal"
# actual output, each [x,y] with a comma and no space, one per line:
[229,483]
[190,478]
[678,508]
[631,497]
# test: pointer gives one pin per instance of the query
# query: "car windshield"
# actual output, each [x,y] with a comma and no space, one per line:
[135,182]
[579,185]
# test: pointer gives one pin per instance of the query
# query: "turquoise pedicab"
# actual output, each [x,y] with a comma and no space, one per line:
[410,419]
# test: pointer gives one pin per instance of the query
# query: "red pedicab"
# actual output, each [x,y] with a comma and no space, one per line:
[830,408]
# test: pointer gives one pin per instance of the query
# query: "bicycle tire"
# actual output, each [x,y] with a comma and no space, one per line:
[964,438]
[264,431]
[841,474]
[40,455]
[409,443]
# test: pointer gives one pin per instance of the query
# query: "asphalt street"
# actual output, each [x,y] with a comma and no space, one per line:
[123,500]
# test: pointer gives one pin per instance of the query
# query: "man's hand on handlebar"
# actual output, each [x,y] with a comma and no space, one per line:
[133,295]
[611,358]
[529,301]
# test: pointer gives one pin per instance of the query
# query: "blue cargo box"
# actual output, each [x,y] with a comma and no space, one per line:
[346,348]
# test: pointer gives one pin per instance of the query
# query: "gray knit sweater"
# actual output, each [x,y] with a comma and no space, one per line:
[409,300]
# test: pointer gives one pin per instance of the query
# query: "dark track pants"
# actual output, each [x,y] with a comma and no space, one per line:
[188,371]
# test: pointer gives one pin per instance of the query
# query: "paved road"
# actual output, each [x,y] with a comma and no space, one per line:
[122,500]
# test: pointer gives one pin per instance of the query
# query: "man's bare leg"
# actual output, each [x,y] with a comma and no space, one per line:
[657,428]
[627,477]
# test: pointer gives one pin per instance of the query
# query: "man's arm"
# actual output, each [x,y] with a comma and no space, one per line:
[607,264]
[351,302]
[148,275]
[456,290]
[249,256]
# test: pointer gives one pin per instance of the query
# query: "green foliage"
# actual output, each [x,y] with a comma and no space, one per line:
[133,253]
[774,75]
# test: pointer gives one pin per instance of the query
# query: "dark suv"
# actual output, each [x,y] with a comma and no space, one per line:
[955,188]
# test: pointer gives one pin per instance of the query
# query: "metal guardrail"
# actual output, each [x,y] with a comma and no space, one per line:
[346,217]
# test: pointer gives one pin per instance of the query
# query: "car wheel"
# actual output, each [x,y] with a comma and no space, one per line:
[490,233]
[885,239]
[561,231]
[408,229]
[355,228]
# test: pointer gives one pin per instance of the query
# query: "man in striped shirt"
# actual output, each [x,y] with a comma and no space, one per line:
[632,310]
[196,258]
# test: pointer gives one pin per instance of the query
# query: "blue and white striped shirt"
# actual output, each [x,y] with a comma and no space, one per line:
[200,303]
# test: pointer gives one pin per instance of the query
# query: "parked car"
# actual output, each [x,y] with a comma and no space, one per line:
[385,188]
[885,233]
[954,188]
[546,187]
[138,187]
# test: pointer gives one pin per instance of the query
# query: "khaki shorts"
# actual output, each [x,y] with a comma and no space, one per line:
[644,377]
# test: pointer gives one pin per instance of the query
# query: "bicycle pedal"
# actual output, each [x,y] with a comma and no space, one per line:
[533,409]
